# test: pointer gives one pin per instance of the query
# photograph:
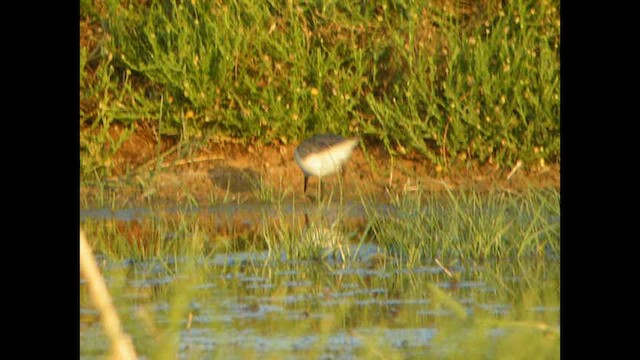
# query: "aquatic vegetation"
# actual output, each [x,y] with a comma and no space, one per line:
[470,224]
[246,304]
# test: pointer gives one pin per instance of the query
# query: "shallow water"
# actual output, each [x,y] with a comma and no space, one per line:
[254,305]
[407,282]
[239,216]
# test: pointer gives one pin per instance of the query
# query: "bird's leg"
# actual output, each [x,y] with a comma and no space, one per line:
[306,219]
[341,181]
[306,178]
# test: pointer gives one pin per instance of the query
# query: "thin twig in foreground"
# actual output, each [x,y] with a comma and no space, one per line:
[121,345]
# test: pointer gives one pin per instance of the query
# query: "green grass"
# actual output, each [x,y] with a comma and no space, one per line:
[268,193]
[167,236]
[421,227]
[470,225]
[439,78]
[412,228]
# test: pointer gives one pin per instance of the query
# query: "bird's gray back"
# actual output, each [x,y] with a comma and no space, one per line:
[317,143]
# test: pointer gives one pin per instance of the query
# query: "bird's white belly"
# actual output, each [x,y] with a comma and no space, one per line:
[322,164]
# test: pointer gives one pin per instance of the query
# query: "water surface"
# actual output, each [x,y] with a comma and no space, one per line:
[253,305]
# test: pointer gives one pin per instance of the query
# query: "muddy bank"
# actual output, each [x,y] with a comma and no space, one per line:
[227,171]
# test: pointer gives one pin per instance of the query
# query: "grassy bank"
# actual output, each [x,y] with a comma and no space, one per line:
[452,81]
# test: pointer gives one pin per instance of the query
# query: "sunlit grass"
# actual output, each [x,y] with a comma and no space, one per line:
[168,236]
[470,225]
[412,228]
[422,226]
[453,81]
